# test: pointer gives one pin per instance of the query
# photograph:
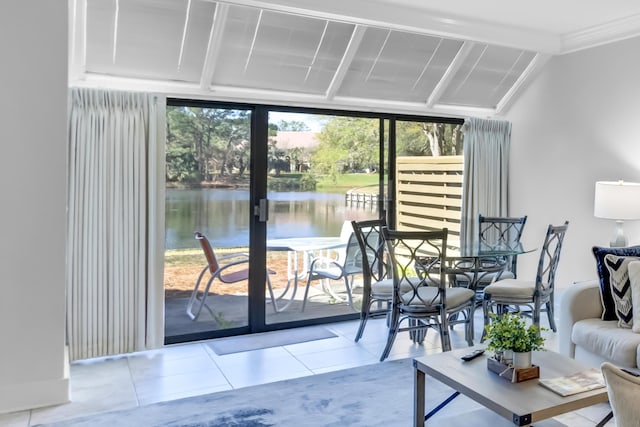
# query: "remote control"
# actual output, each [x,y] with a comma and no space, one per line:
[471,356]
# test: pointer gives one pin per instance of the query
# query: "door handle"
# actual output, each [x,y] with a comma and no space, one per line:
[262,210]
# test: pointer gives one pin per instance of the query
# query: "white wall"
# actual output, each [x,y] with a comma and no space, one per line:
[33,117]
[578,123]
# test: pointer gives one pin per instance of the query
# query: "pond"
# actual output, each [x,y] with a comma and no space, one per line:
[223,215]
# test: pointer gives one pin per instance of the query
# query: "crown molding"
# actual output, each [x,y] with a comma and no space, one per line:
[610,32]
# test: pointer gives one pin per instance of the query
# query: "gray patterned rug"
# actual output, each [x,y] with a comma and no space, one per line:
[373,395]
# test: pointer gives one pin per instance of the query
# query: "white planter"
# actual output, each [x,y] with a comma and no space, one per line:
[521,360]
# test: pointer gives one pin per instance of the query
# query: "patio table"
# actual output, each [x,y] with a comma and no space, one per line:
[296,248]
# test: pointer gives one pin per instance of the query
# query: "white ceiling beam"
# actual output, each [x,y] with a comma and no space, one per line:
[345,63]
[532,70]
[213,47]
[185,28]
[272,97]
[116,16]
[450,73]
[415,19]
[77,39]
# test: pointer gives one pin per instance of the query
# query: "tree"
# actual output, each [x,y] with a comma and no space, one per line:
[202,142]
[347,144]
[293,125]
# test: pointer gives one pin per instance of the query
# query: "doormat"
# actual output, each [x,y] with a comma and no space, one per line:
[230,345]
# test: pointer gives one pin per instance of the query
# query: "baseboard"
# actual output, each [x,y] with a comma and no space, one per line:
[35,394]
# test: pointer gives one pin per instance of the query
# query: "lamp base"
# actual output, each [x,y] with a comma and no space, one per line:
[619,240]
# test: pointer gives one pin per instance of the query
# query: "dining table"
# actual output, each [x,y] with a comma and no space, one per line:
[300,251]
[468,265]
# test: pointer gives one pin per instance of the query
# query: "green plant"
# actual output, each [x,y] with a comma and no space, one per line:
[510,332]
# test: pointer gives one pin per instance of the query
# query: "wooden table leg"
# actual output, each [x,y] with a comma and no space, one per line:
[418,393]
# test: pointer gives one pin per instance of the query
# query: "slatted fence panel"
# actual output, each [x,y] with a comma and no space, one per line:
[429,194]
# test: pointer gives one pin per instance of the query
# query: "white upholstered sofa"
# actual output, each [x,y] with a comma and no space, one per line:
[584,336]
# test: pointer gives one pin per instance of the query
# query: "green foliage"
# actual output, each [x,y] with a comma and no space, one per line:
[293,125]
[308,182]
[203,143]
[292,182]
[510,332]
[347,144]
[428,139]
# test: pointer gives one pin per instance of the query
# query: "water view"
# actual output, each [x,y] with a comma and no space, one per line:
[223,215]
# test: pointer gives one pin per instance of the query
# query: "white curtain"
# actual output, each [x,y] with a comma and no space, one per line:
[115,222]
[486,173]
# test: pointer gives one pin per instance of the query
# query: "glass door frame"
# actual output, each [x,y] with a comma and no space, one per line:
[258,169]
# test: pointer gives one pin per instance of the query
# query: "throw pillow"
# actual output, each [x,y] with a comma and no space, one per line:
[618,267]
[634,279]
[608,306]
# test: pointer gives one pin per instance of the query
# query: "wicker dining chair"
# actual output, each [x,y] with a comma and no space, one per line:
[418,261]
[530,293]
[496,232]
[377,285]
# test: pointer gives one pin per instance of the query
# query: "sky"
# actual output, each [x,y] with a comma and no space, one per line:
[311,122]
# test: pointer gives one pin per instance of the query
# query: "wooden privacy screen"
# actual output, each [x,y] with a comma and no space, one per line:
[429,194]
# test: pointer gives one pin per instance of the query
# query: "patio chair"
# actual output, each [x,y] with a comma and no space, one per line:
[341,268]
[231,268]
[530,293]
[377,282]
[418,262]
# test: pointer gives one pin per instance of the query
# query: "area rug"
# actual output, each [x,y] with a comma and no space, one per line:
[268,339]
[374,395]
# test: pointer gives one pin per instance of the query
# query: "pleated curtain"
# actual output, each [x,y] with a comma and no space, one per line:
[486,173]
[115,222]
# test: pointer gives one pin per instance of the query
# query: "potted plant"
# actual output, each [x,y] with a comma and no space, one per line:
[509,332]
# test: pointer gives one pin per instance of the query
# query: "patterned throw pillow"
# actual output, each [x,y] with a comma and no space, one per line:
[634,279]
[608,306]
[618,267]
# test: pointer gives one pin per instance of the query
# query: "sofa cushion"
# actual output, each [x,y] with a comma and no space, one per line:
[634,280]
[605,338]
[618,267]
[608,306]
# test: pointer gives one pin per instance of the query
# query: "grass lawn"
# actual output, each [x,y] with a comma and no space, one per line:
[347,181]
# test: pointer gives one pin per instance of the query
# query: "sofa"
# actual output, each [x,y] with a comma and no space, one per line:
[583,335]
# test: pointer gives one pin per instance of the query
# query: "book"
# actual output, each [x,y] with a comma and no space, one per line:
[568,385]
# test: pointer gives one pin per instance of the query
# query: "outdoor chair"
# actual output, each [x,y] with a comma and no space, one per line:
[377,283]
[345,267]
[418,264]
[231,268]
[508,293]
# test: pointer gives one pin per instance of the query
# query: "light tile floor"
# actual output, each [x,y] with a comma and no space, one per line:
[184,370]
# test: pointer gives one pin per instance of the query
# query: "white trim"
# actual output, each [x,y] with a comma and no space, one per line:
[602,34]
[532,70]
[36,394]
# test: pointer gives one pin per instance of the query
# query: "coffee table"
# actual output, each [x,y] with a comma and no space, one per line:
[522,403]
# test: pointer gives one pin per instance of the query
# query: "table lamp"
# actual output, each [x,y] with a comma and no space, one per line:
[620,201]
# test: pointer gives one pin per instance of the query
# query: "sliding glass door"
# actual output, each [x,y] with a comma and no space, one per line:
[323,172]
[259,202]
[207,192]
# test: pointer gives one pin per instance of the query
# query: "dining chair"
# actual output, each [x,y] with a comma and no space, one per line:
[230,268]
[501,231]
[495,232]
[377,283]
[533,294]
[418,264]
[344,267]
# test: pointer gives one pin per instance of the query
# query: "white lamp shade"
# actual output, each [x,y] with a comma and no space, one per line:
[617,200]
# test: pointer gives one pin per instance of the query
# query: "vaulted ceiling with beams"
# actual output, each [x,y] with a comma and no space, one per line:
[404,56]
